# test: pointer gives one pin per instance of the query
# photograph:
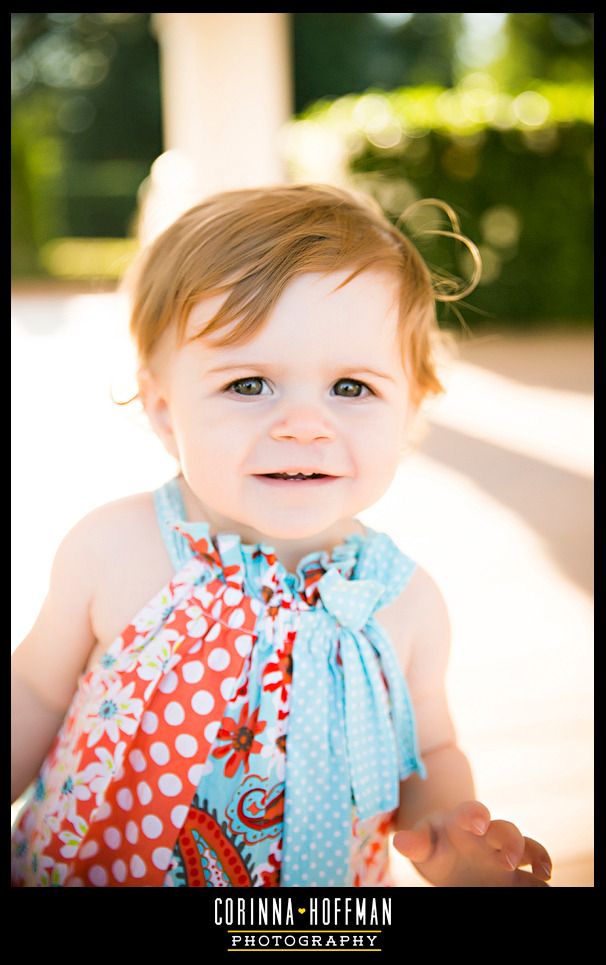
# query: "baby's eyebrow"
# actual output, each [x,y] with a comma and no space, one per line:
[360,370]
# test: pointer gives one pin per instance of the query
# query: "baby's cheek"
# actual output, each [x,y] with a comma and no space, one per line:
[379,443]
[378,465]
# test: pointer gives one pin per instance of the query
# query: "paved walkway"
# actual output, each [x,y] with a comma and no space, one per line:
[496,502]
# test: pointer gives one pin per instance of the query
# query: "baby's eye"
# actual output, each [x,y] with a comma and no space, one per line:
[246,386]
[352,388]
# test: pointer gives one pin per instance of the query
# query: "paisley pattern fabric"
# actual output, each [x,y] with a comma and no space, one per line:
[249,728]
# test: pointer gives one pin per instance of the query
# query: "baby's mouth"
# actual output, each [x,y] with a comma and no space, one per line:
[293,480]
[298,475]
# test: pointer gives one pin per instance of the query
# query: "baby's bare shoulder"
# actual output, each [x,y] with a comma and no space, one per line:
[114,549]
[417,622]
[132,562]
[117,525]
[96,554]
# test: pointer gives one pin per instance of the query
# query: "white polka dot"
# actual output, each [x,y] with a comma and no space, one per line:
[102,812]
[112,838]
[119,870]
[138,868]
[210,731]
[178,815]
[151,826]
[218,659]
[174,713]
[97,876]
[186,745]
[170,785]
[216,610]
[202,702]
[244,645]
[169,682]
[149,722]
[232,596]
[193,671]
[124,799]
[161,858]
[198,771]
[132,832]
[236,619]
[159,752]
[88,850]
[213,633]
[196,647]
[197,627]
[144,792]
[137,760]
[228,687]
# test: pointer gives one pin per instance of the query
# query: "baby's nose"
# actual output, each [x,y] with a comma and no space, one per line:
[306,423]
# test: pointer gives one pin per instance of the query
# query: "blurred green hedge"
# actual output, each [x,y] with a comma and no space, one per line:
[517,169]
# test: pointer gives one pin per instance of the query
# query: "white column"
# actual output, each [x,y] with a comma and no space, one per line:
[227,92]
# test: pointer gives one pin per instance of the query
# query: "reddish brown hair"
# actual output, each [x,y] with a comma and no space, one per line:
[250,243]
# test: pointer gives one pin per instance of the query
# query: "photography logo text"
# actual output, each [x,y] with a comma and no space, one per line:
[338,924]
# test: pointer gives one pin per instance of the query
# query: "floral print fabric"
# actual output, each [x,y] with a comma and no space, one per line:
[170,768]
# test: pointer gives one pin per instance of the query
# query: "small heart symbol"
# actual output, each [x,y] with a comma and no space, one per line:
[301,910]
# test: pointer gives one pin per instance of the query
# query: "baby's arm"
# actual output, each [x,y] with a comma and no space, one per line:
[449,779]
[443,829]
[46,665]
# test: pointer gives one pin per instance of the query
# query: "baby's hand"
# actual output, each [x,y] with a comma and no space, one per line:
[463,848]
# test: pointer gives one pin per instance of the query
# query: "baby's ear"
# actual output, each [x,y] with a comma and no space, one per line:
[152,396]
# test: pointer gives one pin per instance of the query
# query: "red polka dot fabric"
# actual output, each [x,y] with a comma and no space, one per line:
[116,786]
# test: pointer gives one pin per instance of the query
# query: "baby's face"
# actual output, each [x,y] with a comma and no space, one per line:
[320,388]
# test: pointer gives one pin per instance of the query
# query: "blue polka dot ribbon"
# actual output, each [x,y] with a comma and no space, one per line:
[350,741]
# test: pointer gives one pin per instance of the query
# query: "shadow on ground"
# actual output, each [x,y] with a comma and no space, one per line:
[561,360]
[541,494]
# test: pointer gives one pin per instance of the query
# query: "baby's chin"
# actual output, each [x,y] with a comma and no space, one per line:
[300,526]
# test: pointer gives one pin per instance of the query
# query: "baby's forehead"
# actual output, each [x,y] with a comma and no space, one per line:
[330,304]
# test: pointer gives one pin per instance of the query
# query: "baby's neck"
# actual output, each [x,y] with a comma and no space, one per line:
[290,552]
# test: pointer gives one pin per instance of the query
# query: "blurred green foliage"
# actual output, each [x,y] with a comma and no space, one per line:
[517,169]
[343,53]
[348,53]
[491,112]
[86,125]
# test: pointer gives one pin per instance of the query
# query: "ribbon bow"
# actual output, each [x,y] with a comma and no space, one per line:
[350,739]
[350,601]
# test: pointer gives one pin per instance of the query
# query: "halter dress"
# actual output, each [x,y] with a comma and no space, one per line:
[249,728]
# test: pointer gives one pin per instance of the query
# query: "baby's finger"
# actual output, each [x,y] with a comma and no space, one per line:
[522,879]
[536,856]
[472,816]
[416,845]
[508,841]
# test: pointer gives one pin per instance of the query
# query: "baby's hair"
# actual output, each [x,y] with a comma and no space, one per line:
[251,243]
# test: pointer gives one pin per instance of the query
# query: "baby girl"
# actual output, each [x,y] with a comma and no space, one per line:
[232,680]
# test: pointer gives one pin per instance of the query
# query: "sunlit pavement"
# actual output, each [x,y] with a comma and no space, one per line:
[497,503]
